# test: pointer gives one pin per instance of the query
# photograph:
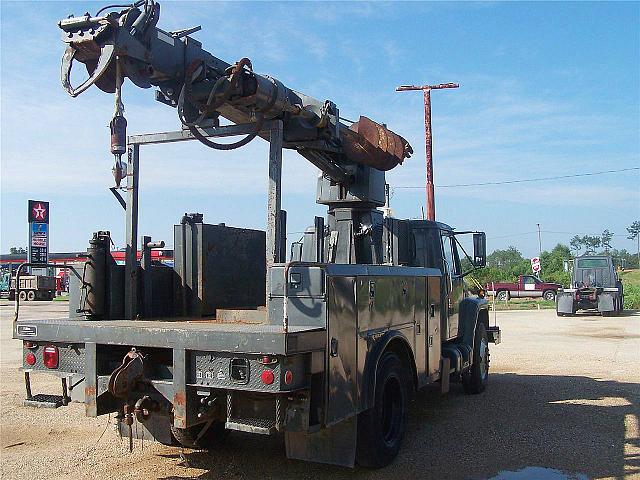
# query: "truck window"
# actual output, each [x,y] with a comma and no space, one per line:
[450,254]
[425,248]
[593,263]
[529,282]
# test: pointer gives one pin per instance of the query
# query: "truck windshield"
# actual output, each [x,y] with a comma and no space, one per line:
[593,263]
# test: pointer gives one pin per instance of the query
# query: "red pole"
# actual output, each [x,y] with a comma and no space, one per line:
[431,204]
[426,91]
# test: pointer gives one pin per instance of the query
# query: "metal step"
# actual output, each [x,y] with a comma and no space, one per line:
[252,425]
[43,400]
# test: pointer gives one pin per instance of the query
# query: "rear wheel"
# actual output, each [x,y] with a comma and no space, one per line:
[31,295]
[503,295]
[475,379]
[382,427]
[201,436]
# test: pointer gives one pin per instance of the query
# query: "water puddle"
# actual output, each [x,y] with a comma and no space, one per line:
[538,473]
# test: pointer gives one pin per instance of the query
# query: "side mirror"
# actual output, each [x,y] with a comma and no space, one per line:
[479,249]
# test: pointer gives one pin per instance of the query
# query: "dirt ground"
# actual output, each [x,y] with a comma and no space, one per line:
[563,403]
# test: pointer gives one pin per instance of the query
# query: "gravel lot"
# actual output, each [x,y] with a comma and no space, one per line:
[563,402]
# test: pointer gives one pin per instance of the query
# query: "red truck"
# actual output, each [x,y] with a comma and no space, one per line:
[526,286]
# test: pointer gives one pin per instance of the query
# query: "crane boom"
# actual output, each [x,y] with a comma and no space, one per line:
[128,44]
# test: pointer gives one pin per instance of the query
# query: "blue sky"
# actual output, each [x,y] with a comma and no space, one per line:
[545,89]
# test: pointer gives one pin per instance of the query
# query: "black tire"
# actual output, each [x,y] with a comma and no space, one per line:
[475,379]
[381,428]
[503,295]
[559,314]
[22,296]
[549,295]
[31,296]
[212,437]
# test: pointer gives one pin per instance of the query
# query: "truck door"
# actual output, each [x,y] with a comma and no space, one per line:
[453,288]
[528,285]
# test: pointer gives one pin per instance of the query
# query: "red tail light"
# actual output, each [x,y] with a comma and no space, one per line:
[288,377]
[29,344]
[50,356]
[267,377]
[30,358]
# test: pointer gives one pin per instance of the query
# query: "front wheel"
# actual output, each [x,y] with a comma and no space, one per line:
[475,379]
[382,427]
[549,295]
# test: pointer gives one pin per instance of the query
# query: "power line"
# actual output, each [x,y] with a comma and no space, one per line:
[522,234]
[524,180]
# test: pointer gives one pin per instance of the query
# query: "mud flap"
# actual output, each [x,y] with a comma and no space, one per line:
[156,428]
[564,302]
[334,445]
[605,303]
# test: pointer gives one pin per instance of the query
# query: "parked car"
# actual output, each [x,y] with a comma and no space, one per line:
[526,286]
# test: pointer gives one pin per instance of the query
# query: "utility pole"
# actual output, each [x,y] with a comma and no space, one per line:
[539,248]
[426,91]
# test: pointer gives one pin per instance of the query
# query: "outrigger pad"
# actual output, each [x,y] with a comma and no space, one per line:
[43,400]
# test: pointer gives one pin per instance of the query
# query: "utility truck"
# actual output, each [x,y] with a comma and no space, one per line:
[325,347]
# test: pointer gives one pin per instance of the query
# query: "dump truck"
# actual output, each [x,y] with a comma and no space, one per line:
[594,286]
[325,347]
[32,287]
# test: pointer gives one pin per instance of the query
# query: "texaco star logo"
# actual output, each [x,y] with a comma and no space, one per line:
[39,212]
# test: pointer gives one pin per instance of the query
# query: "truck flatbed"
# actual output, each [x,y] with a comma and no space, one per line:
[190,334]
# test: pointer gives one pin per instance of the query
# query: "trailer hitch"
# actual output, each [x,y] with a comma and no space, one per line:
[124,378]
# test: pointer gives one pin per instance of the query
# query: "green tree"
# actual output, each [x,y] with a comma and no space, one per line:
[16,250]
[634,233]
[605,240]
[506,265]
[505,258]
[553,264]
[576,244]
[591,243]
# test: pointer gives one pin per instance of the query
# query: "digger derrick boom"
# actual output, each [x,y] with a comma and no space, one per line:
[128,44]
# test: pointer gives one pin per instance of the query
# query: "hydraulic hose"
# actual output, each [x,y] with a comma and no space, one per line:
[227,85]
